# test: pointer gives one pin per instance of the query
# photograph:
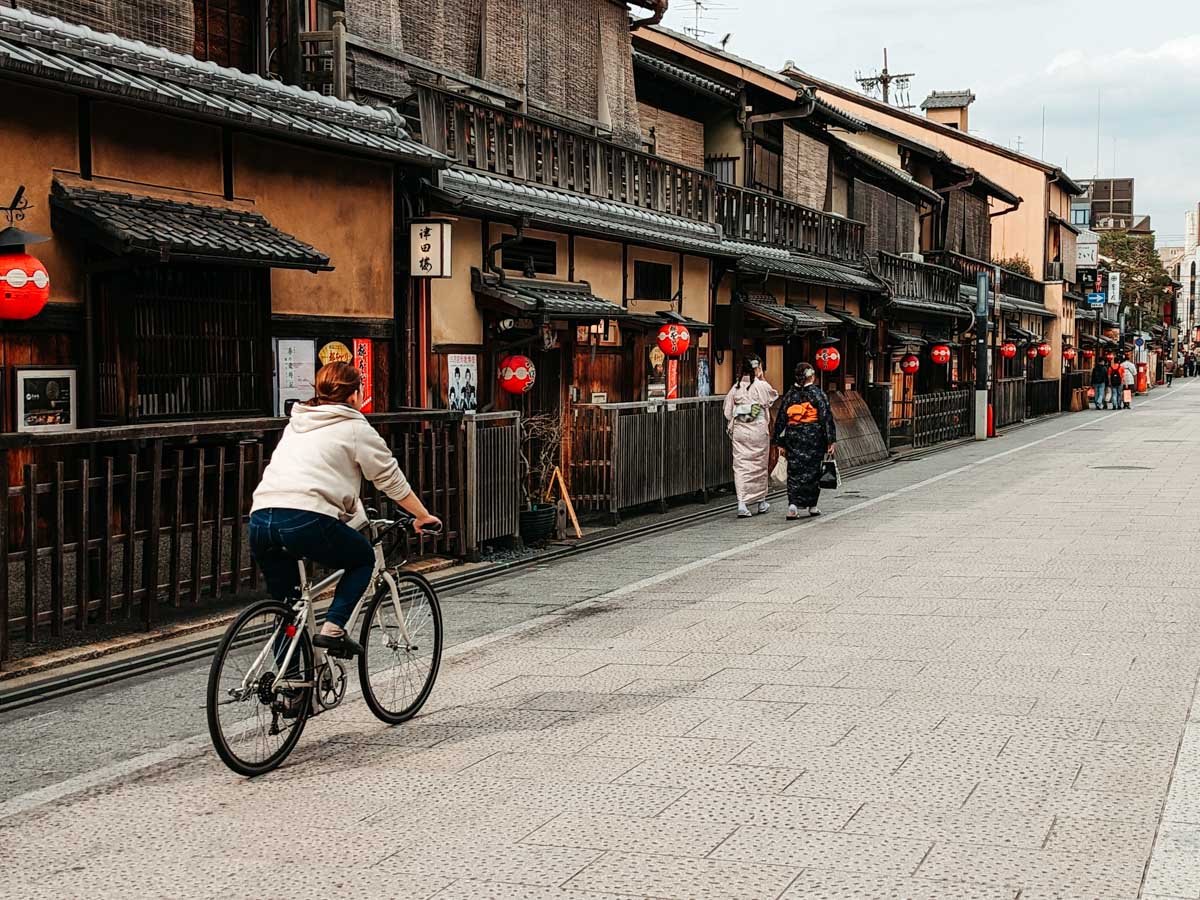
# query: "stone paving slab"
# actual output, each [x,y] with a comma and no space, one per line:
[931,692]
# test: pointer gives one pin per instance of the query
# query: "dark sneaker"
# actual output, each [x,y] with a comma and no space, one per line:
[343,647]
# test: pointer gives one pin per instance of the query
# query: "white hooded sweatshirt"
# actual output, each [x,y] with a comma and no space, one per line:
[321,460]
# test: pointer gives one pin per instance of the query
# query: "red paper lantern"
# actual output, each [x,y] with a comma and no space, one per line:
[828,359]
[1069,354]
[1032,352]
[24,286]
[1089,354]
[940,354]
[910,364]
[674,339]
[517,374]
[1008,349]
[1042,349]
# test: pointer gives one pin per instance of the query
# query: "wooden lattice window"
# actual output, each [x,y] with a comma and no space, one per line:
[722,168]
[768,168]
[178,342]
[225,32]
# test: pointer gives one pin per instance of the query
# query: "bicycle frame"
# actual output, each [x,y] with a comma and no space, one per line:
[304,609]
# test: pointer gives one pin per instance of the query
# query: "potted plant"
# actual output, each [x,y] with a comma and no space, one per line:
[541,452]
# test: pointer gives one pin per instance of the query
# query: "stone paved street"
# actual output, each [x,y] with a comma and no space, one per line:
[969,679]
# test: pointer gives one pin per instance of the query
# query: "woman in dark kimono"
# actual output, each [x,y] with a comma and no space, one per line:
[804,428]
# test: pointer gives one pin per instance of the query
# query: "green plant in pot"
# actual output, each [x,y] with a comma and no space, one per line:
[541,453]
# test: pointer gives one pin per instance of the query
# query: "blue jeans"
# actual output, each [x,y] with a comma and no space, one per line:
[1099,398]
[281,537]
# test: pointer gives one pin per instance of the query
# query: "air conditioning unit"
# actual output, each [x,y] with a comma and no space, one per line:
[915,257]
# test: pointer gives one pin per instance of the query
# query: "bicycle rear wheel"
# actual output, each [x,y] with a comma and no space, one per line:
[398,675]
[253,725]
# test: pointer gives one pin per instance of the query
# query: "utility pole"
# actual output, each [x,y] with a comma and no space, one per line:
[982,357]
[882,81]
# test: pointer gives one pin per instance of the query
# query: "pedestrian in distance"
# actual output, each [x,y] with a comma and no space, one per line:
[748,412]
[1115,376]
[805,429]
[1128,380]
[1099,383]
[1169,371]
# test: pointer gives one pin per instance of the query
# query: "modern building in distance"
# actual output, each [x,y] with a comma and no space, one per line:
[1112,205]
[1191,230]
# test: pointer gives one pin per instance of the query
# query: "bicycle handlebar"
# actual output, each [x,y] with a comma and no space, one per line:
[384,527]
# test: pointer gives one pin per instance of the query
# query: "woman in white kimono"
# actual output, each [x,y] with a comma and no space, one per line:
[748,412]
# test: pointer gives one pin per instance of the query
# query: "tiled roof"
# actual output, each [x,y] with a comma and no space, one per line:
[168,229]
[917,304]
[811,270]
[492,194]
[1007,301]
[947,100]
[851,319]
[561,299]
[793,318]
[890,172]
[73,56]
[653,320]
[905,338]
[684,76]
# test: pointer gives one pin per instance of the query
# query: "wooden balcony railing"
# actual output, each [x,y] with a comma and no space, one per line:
[1012,283]
[918,280]
[748,215]
[494,139]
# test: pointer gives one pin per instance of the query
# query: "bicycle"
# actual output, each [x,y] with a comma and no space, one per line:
[257,710]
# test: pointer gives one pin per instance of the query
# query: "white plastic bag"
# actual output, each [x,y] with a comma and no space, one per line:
[779,473]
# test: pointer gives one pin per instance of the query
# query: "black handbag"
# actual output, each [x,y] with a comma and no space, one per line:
[830,477]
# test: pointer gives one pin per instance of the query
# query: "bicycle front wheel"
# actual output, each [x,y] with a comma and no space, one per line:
[399,663]
[255,712]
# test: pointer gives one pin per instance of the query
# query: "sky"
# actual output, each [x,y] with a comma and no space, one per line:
[1020,57]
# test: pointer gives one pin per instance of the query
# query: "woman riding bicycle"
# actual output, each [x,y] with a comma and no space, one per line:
[309,492]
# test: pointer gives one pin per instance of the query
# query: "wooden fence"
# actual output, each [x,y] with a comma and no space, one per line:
[100,525]
[1008,401]
[1071,382]
[1042,397]
[493,445]
[941,416]
[631,454]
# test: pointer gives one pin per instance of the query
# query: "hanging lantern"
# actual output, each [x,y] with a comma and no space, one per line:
[1089,354]
[1069,354]
[940,354]
[828,359]
[1042,349]
[674,339]
[1032,352]
[517,374]
[910,364]
[24,281]
[1008,349]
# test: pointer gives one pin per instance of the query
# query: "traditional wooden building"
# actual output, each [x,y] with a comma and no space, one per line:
[200,219]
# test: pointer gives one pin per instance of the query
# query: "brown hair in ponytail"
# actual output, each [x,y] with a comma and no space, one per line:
[336,381]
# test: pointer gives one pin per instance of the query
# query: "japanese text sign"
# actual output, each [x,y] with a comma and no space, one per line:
[429,248]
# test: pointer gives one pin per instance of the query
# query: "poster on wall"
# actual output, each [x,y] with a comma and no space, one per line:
[364,361]
[296,372]
[334,351]
[703,385]
[656,374]
[46,400]
[672,379]
[463,384]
